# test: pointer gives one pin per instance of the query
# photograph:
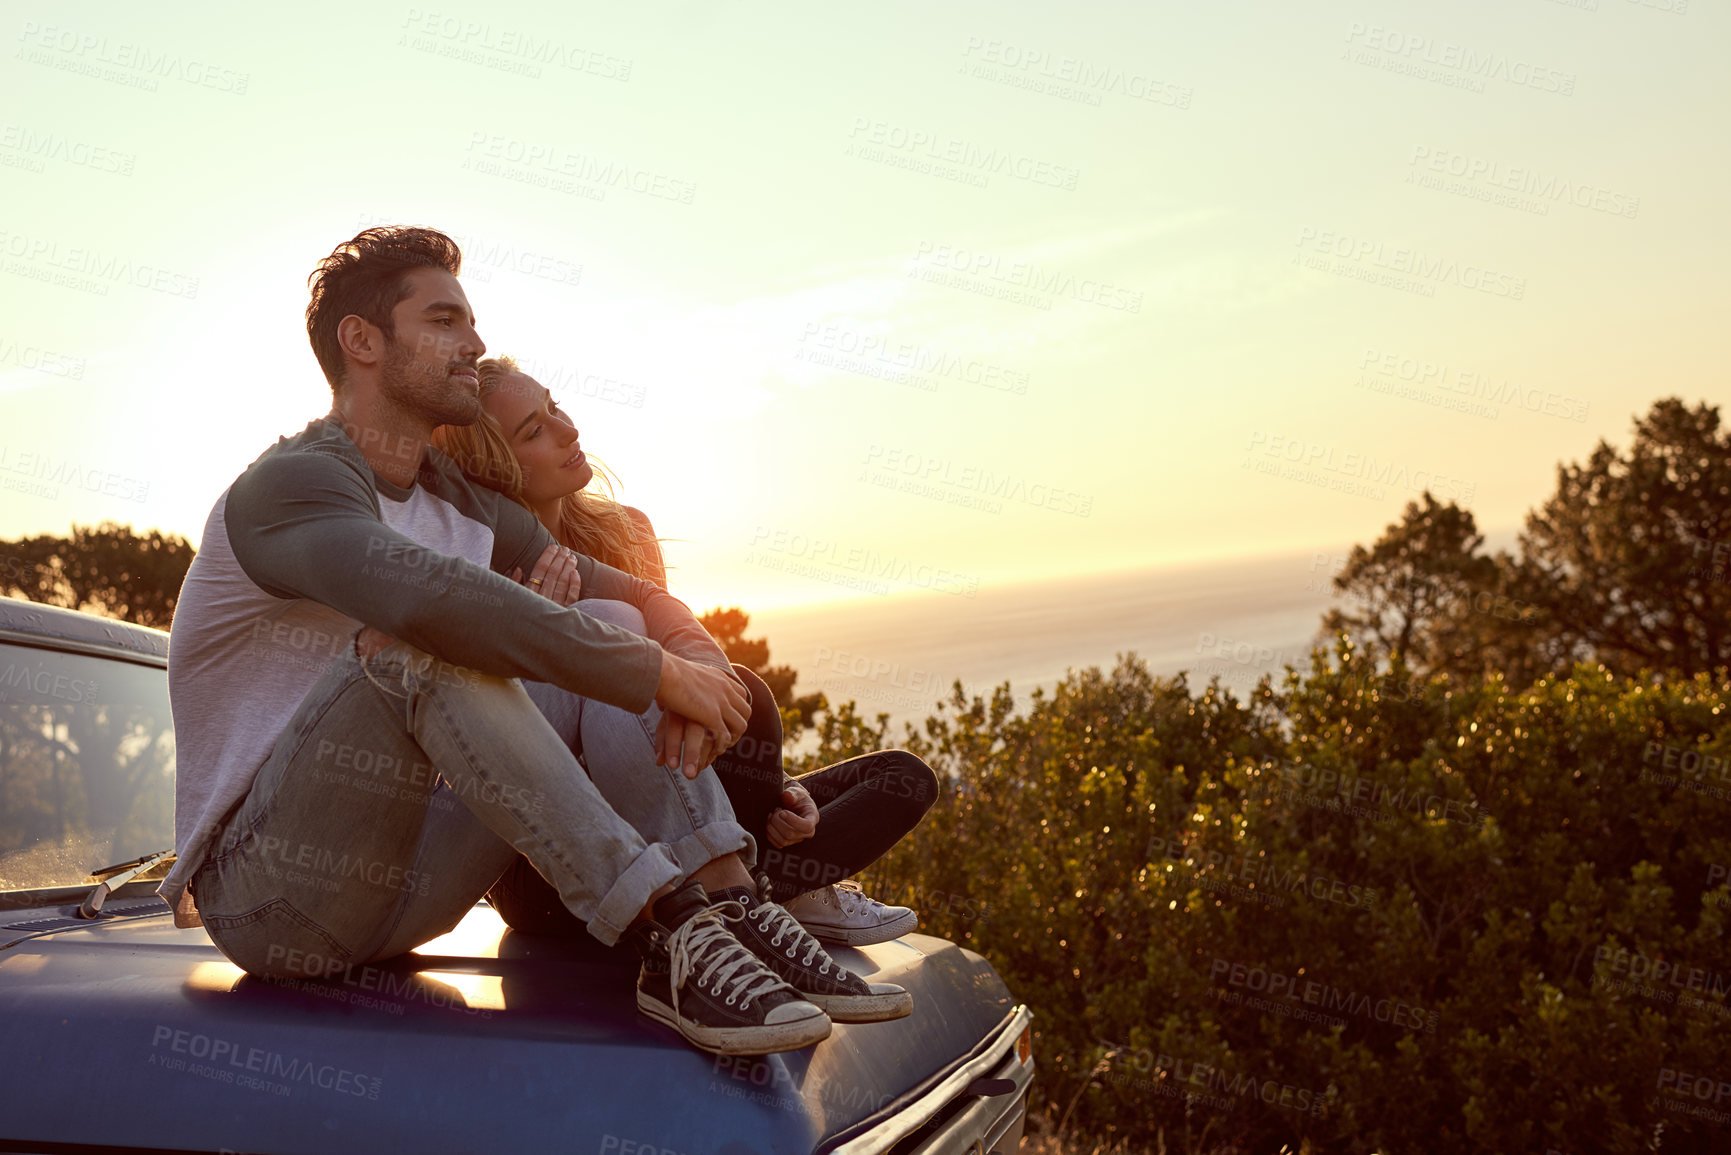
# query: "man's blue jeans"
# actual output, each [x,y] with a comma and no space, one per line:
[404,786]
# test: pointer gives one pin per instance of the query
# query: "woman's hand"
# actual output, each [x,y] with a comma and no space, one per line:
[795,821]
[370,641]
[554,576]
[680,740]
[703,711]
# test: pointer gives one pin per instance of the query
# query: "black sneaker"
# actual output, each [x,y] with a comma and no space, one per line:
[698,979]
[789,950]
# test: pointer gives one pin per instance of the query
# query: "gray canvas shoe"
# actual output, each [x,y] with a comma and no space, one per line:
[789,950]
[845,914]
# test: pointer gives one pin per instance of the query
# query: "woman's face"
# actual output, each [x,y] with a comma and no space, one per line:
[541,437]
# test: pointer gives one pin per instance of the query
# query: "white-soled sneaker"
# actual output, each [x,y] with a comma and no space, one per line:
[794,955]
[688,970]
[845,914]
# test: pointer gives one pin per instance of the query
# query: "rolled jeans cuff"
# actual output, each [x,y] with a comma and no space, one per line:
[708,842]
[649,872]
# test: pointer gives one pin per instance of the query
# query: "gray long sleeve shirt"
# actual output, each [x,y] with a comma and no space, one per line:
[307,546]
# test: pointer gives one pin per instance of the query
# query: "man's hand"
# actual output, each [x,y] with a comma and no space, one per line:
[554,575]
[702,698]
[795,821]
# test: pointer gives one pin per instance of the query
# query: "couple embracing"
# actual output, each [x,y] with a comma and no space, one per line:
[579,746]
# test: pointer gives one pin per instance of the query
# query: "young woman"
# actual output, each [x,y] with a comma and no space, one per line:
[812,832]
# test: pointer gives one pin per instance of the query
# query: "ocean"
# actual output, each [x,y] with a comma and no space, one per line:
[1236,619]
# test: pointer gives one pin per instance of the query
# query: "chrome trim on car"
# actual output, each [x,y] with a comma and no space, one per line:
[982,1125]
[46,627]
[79,646]
[904,1117]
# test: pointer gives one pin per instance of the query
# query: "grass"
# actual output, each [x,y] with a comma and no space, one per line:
[1040,1140]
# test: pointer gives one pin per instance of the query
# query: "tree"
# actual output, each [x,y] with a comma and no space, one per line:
[1414,590]
[106,569]
[1629,560]
[1627,565]
[727,627]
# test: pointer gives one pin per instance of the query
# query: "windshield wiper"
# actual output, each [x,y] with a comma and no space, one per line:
[116,876]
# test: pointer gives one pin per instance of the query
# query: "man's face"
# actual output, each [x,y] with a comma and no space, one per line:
[429,365]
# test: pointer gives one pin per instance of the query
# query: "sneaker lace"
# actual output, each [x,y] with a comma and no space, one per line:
[703,939]
[771,916]
[851,898]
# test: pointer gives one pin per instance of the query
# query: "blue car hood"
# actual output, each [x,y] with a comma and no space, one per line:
[129,1033]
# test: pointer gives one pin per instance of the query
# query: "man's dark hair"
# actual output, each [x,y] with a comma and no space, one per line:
[365,276]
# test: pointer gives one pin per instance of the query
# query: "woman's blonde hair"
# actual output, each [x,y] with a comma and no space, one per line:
[590,524]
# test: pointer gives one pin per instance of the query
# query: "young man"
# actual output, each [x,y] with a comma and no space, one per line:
[356,760]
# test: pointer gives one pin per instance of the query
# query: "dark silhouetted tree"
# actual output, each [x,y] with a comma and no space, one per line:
[106,569]
[1629,560]
[1425,593]
[1628,564]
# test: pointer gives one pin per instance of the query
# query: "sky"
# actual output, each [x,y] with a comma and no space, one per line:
[917,299]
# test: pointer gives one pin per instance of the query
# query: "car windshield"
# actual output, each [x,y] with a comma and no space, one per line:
[86,765]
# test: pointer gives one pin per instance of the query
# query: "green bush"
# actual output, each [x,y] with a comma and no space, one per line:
[1359,912]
